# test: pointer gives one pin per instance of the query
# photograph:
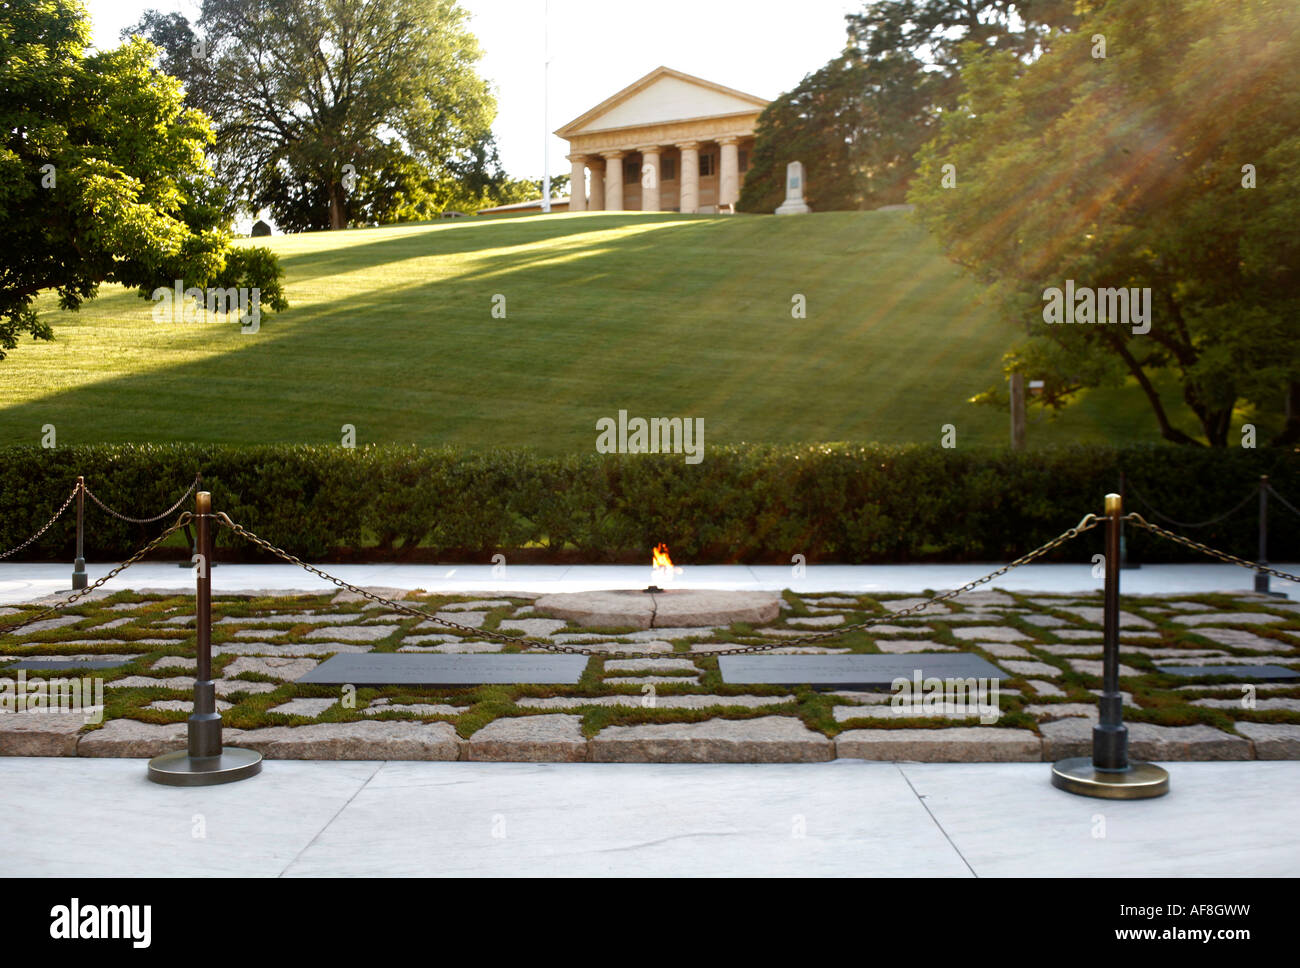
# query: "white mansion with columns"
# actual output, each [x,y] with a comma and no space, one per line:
[669,142]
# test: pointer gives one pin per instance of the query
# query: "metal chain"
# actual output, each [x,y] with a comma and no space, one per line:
[1285,503]
[1141,522]
[47,526]
[183,520]
[1088,522]
[157,517]
[1185,524]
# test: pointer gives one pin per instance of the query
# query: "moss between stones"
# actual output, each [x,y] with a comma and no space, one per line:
[1155,696]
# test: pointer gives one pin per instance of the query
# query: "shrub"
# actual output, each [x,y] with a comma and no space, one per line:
[828,502]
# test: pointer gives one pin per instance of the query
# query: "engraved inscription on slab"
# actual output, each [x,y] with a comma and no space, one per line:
[853,671]
[406,669]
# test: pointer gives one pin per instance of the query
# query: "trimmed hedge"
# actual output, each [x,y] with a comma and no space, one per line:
[831,503]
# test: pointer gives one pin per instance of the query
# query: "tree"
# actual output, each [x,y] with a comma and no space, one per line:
[102,175]
[1154,150]
[335,111]
[858,122]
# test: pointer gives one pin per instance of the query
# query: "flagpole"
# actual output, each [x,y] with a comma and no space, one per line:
[546,107]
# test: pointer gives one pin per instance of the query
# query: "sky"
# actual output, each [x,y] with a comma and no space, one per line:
[598,47]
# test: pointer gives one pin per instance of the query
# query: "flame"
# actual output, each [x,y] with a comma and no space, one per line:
[659,558]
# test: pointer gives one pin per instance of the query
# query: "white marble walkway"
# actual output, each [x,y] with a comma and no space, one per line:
[79,817]
[21,582]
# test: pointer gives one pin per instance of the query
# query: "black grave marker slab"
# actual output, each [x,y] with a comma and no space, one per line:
[853,671]
[1248,672]
[413,669]
[67,665]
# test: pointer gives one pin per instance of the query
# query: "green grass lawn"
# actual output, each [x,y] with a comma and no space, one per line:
[658,314]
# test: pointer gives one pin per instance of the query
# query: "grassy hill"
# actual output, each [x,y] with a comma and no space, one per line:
[659,314]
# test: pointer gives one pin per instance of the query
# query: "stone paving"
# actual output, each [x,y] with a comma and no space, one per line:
[671,708]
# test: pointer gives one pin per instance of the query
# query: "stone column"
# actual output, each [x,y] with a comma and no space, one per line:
[613,180]
[578,183]
[650,179]
[729,183]
[689,176]
[597,201]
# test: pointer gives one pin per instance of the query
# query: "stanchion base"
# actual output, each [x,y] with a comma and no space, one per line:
[180,769]
[1140,781]
[79,580]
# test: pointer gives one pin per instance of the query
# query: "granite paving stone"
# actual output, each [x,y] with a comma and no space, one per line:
[966,744]
[129,737]
[233,687]
[346,597]
[354,633]
[1261,705]
[458,647]
[287,618]
[550,738]
[41,733]
[372,739]
[1093,667]
[284,668]
[532,627]
[906,711]
[1229,618]
[1072,736]
[184,705]
[1045,621]
[989,597]
[990,633]
[1096,614]
[816,621]
[414,708]
[1232,660]
[1028,668]
[1273,741]
[647,645]
[1005,650]
[656,702]
[650,665]
[1045,688]
[905,646]
[145,682]
[652,680]
[898,604]
[303,707]
[44,625]
[1241,639]
[288,648]
[766,739]
[175,662]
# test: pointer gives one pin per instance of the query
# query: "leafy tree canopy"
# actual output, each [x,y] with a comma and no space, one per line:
[336,112]
[102,174]
[1156,148]
[857,123]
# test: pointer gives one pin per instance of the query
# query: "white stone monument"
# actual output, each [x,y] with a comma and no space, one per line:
[794,203]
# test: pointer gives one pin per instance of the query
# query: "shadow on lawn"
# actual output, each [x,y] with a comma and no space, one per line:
[457,237]
[606,316]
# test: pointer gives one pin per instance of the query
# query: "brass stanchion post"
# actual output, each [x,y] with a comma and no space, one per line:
[79,578]
[1108,772]
[205,761]
[1261,577]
